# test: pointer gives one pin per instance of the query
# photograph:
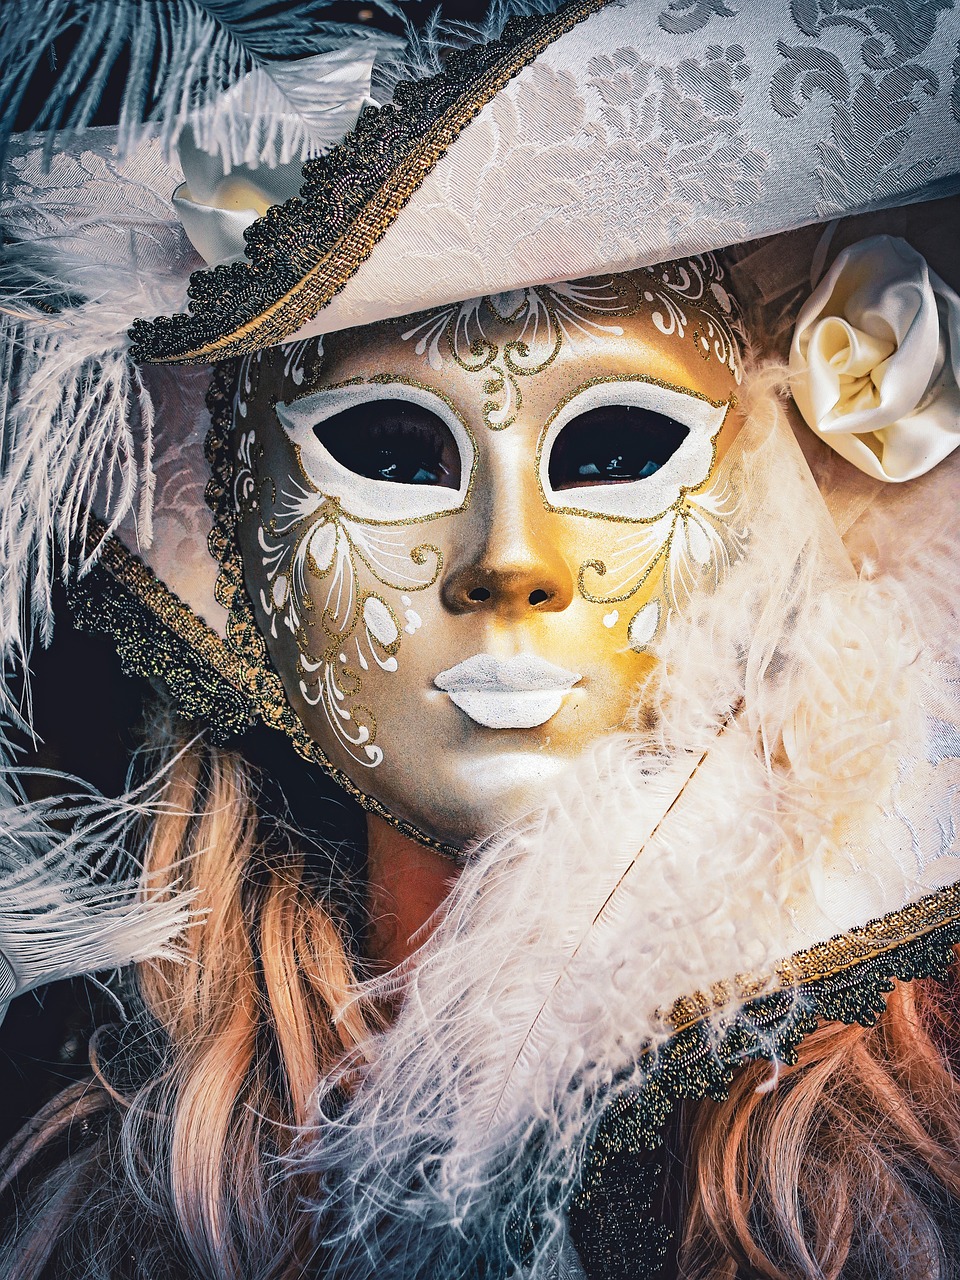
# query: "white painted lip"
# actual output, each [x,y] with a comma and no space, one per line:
[521,692]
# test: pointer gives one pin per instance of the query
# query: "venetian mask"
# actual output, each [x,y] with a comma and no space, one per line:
[464,531]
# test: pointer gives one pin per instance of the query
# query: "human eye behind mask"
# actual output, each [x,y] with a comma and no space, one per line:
[393,441]
[627,448]
[613,444]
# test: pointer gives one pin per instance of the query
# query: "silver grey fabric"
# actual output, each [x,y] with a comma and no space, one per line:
[650,132]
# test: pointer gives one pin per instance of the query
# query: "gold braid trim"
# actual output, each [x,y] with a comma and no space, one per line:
[142,583]
[301,254]
[859,946]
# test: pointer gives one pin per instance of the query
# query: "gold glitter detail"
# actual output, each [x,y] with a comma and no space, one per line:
[860,945]
[333,513]
[685,490]
[244,639]
[487,352]
[386,379]
[174,613]
[157,636]
[727,326]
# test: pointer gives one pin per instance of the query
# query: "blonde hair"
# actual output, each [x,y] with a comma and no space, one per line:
[849,1167]
[169,1162]
[234,1040]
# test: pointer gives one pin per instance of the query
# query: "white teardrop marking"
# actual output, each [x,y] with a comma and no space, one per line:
[379,621]
[643,625]
[611,619]
[322,543]
[699,543]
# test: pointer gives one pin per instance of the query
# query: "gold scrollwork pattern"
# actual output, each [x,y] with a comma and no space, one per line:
[696,539]
[547,316]
[309,538]
[244,641]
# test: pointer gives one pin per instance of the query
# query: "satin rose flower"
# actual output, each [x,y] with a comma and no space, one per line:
[875,360]
[217,202]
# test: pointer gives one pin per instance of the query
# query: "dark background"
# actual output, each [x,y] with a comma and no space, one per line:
[87,713]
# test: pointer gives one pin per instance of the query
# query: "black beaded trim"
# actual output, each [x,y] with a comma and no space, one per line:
[613,1218]
[302,253]
[610,1218]
[149,647]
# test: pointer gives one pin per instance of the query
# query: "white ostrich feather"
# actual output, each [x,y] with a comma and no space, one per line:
[183,55]
[67,907]
[698,846]
[77,434]
[426,47]
[226,69]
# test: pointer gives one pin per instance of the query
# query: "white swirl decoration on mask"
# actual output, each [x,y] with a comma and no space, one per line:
[309,537]
[545,316]
[688,300]
[680,532]
[698,282]
[875,360]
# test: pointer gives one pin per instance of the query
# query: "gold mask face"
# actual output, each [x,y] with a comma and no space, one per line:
[463,531]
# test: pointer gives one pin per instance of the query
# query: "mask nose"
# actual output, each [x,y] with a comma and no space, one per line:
[510,589]
[515,567]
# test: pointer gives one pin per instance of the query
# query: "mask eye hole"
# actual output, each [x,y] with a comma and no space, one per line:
[395,441]
[613,444]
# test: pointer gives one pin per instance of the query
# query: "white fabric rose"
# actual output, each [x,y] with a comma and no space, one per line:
[875,360]
[215,207]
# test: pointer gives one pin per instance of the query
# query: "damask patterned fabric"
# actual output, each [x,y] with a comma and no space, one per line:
[650,132]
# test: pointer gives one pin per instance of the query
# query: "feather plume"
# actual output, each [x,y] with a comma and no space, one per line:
[89,248]
[67,906]
[187,59]
[427,45]
[182,55]
[76,436]
[698,846]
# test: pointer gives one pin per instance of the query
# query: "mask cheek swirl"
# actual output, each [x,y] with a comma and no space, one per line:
[348,491]
[639,459]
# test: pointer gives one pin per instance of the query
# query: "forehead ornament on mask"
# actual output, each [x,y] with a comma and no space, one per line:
[548,315]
